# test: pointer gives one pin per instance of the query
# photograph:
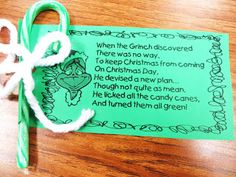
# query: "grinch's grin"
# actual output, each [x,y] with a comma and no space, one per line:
[72,81]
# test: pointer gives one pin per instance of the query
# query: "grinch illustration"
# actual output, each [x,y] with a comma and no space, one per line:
[70,75]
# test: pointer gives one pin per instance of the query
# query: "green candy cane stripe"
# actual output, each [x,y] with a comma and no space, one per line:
[32,13]
[23,122]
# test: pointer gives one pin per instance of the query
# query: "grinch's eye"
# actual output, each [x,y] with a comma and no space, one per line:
[69,71]
[78,72]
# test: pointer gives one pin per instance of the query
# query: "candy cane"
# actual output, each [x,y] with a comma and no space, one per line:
[23,124]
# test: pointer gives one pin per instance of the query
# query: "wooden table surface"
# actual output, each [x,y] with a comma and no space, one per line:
[84,154]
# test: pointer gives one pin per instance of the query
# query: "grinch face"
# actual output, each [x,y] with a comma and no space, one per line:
[73,77]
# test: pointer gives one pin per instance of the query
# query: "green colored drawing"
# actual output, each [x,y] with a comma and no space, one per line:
[73,77]
[70,75]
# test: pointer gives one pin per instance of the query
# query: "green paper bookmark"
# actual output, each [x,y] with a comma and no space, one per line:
[25,31]
[144,81]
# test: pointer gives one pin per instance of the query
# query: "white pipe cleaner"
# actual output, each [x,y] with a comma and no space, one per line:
[23,70]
